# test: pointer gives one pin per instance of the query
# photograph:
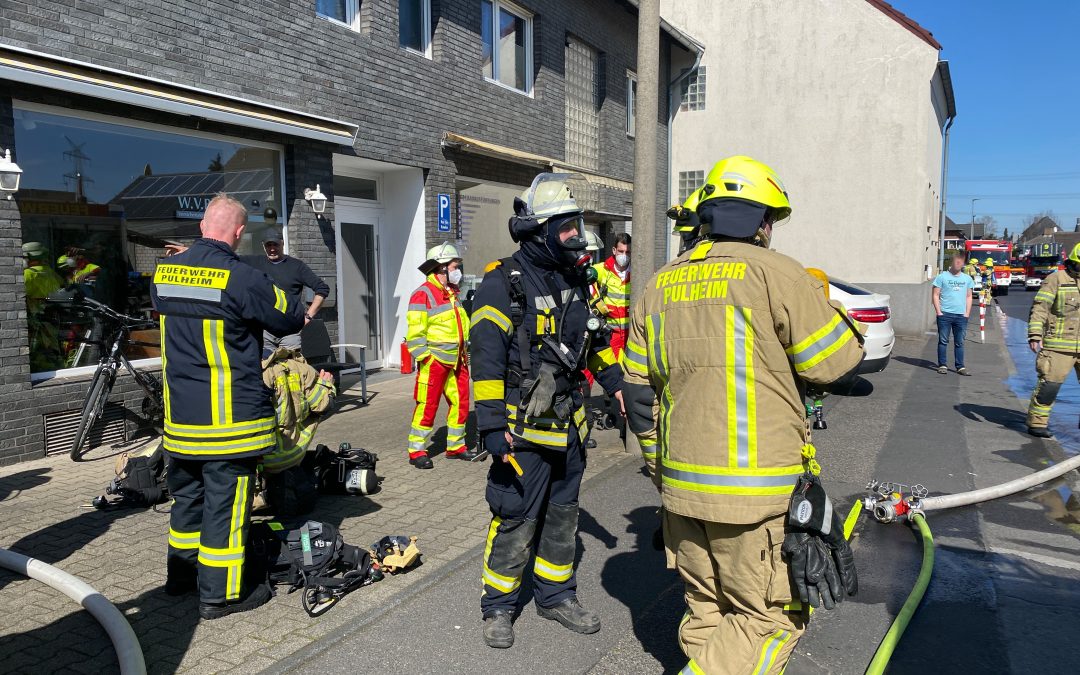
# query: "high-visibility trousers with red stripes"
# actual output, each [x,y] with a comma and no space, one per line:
[435,380]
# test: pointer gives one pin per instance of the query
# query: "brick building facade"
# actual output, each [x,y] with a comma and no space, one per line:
[389,129]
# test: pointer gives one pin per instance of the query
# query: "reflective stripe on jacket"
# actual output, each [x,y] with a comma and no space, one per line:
[1055,313]
[722,335]
[438,325]
[214,309]
[614,294]
[299,395]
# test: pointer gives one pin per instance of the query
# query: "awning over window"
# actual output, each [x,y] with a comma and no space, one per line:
[478,147]
[21,65]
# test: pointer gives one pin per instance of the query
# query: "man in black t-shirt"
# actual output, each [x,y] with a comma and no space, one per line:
[290,275]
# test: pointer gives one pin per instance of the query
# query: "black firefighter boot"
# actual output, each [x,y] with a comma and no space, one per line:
[571,614]
[499,630]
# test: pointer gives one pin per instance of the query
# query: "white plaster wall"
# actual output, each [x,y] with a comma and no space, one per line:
[836,96]
[401,251]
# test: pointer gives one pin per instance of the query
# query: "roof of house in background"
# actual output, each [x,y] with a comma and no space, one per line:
[907,22]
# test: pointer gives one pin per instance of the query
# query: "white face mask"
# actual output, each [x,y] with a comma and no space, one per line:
[454,276]
[622,260]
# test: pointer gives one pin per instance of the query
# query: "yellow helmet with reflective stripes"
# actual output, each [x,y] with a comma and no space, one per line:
[1074,255]
[741,177]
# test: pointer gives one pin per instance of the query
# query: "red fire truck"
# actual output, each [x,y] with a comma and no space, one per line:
[1000,251]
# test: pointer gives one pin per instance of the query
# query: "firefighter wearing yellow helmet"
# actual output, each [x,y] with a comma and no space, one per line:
[437,337]
[1054,334]
[722,346]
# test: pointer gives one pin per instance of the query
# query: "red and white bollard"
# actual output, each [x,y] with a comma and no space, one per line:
[982,318]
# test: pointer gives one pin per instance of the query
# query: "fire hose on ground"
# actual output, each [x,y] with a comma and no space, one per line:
[891,503]
[128,652]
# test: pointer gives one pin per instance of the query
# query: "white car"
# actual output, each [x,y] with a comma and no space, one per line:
[1033,283]
[873,310]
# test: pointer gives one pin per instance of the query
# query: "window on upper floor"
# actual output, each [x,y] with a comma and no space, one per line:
[631,102]
[688,182]
[414,25]
[506,31]
[343,11]
[693,90]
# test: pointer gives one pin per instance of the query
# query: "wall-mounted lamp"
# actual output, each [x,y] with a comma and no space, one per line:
[10,173]
[316,198]
[270,216]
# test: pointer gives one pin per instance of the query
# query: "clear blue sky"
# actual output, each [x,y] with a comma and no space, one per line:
[1016,74]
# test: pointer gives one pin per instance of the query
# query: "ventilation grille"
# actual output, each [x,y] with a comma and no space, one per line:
[60,429]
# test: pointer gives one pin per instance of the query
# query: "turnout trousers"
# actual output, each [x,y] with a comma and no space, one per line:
[541,505]
[1052,368]
[208,525]
[740,616]
[437,380]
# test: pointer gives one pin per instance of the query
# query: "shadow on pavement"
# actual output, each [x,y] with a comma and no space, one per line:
[1004,417]
[78,638]
[918,363]
[640,580]
[56,542]
[12,485]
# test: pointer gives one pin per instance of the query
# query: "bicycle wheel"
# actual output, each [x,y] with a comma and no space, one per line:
[93,408]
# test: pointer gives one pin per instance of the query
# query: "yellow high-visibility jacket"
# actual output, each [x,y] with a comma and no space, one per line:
[438,324]
[613,294]
[1055,314]
[726,336]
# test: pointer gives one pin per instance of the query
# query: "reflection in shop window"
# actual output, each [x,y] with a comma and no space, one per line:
[99,202]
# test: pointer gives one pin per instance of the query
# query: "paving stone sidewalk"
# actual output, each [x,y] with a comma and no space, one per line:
[45,513]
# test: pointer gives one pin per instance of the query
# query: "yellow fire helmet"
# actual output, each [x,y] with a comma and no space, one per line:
[1074,255]
[738,194]
[989,262]
[820,275]
[552,194]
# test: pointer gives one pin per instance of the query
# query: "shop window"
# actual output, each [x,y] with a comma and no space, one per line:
[688,182]
[414,25]
[693,90]
[100,200]
[506,32]
[344,11]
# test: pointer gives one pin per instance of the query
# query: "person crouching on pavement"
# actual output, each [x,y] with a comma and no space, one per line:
[1054,334]
[437,337]
[952,304]
[219,416]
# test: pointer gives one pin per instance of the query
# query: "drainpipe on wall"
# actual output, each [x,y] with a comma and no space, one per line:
[950,108]
[671,119]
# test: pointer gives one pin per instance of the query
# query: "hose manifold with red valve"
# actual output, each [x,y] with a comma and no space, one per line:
[892,502]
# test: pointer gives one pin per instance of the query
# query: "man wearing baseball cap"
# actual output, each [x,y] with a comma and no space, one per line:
[291,275]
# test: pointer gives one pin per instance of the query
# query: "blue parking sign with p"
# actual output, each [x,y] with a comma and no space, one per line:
[444,213]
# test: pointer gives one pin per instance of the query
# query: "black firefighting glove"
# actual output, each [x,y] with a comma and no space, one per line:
[541,392]
[496,444]
[812,569]
[816,531]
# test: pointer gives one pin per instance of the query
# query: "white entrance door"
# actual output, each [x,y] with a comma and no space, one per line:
[359,310]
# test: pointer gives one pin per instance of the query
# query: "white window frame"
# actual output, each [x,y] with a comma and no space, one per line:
[376,177]
[527,16]
[352,15]
[425,30]
[631,104]
[81,373]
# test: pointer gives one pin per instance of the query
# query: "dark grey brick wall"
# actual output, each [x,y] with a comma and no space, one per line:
[279,52]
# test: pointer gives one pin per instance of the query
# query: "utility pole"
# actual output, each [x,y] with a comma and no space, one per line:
[645,174]
[646,110]
[973,215]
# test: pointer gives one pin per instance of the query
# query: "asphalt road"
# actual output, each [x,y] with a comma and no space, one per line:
[1005,585]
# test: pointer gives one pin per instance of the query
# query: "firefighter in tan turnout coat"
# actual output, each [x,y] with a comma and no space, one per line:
[1054,334]
[719,351]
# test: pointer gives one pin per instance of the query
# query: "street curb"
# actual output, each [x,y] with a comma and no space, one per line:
[340,634]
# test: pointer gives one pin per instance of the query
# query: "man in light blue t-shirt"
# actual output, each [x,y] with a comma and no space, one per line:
[952,302]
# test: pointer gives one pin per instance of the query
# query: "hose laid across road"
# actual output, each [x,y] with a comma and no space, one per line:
[128,652]
[1003,490]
